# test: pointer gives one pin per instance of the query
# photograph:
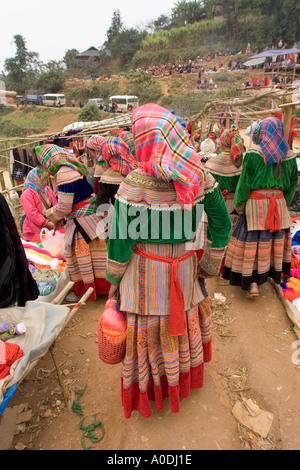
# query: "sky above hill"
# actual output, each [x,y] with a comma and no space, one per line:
[51,28]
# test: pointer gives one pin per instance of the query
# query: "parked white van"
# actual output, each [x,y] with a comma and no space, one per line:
[54,99]
[98,102]
[125,103]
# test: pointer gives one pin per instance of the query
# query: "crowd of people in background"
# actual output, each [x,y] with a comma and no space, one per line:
[195,66]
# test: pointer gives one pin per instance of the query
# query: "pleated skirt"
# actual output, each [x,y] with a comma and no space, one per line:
[255,256]
[87,266]
[158,366]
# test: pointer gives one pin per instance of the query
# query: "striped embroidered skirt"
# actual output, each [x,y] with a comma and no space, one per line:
[87,266]
[254,256]
[158,365]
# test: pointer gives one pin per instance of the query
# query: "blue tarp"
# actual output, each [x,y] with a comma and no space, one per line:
[274,52]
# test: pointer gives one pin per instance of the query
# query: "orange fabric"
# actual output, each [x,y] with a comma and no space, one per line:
[273,216]
[177,317]
[289,295]
[224,194]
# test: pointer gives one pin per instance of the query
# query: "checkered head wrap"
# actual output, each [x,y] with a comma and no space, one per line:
[129,140]
[271,139]
[114,153]
[164,150]
[52,157]
[93,142]
[230,140]
[33,180]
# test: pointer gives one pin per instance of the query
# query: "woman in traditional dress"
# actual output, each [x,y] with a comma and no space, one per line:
[113,161]
[129,140]
[153,265]
[117,160]
[85,253]
[92,146]
[260,246]
[226,167]
[36,198]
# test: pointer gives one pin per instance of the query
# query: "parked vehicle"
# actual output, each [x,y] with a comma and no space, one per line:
[34,97]
[54,99]
[124,103]
[20,100]
[98,102]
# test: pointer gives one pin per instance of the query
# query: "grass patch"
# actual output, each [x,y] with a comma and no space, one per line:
[30,120]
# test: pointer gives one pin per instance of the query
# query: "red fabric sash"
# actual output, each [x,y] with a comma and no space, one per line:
[177,310]
[273,216]
[225,195]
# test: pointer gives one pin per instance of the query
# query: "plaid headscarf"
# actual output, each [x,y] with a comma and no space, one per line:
[271,139]
[129,140]
[93,142]
[115,154]
[165,151]
[230,140]
[53,157]
[33,180]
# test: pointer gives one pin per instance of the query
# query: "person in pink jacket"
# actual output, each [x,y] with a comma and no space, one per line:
[37,197]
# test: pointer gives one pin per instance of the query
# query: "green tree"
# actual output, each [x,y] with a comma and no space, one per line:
[283,18]
[115,27]
[162,23]
[126,44]
[70,57]
[211,8]
[187,12]
[23,68]
[52,79]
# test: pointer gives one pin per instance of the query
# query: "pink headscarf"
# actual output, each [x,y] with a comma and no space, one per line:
[94,142]
[164,151]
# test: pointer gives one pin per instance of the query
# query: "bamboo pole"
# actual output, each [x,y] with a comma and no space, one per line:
[83,299]
[62,294]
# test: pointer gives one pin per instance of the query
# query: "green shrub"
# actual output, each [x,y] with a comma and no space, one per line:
[90,112]
[4,110]
[9,129]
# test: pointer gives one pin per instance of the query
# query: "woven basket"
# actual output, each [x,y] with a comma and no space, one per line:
[111,348]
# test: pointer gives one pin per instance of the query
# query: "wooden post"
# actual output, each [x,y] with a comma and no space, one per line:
[8,160]
[287,109]
[203,124]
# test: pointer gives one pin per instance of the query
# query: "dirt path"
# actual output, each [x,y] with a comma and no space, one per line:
[252,355]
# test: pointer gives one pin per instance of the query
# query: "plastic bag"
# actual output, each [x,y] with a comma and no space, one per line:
[112,334]
[112,320]
[53,241]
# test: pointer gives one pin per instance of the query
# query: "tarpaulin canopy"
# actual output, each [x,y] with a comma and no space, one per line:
[78,126]
[274,52]
[118,120]
[253,62]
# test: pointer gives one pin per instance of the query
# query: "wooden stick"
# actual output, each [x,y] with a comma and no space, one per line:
[62,294]
[80,302]
[292,103]
[58,375]
[74,304]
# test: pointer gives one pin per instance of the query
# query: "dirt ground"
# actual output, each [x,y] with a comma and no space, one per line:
[252,358]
